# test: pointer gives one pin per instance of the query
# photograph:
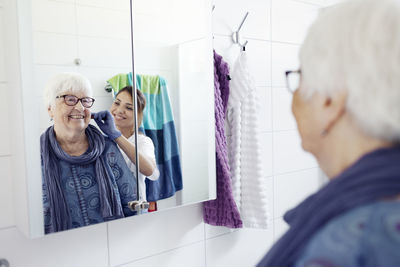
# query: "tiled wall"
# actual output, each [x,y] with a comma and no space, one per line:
[178,237]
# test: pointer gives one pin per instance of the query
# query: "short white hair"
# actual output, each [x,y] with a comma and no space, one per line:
[355,46]
[66,82]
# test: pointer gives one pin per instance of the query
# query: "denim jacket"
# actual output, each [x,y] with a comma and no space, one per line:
[367,236]
[81,192]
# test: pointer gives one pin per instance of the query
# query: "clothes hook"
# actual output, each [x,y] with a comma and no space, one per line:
[236,35]
[213,7]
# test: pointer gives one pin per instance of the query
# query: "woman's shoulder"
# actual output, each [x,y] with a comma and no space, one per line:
[110,146]
[364,236]
[142,139]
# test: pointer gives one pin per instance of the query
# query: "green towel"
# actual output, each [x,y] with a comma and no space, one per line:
[118,82]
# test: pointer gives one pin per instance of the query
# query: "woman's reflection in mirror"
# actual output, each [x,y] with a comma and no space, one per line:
[121,118]
[85,177]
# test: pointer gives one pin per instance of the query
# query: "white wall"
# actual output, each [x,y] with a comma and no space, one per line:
[179,237]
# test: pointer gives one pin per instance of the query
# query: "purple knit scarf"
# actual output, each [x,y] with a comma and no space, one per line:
[374,177]
[52,153]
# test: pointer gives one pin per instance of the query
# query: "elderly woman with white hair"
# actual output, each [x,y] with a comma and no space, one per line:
[347,108]
[85,177]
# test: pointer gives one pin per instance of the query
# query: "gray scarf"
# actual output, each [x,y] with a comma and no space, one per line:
[51,153]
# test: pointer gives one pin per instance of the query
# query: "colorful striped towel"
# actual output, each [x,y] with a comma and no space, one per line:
[158,124]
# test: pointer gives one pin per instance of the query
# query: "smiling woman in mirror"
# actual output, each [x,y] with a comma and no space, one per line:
[121,119]
[85,177]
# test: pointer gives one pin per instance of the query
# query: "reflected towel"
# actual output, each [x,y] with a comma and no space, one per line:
[158,124]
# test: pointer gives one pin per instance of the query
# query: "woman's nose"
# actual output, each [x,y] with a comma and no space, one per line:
[120,110]
[79,106]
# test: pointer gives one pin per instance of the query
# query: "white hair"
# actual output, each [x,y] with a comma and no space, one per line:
[355,46]
[66,82]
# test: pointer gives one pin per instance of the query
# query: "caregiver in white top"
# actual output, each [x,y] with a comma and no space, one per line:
[122,115]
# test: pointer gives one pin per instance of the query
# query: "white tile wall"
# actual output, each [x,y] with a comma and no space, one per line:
[239,248]
[290,20]
[284,57]
[83,247]
[280,227]
[265,102]
[104,52]
[91,22]
[6,197]
[191,255]
[2,70]
[48,46]
[288,154]
[283,118]
[134,238]
[55,17]
[111,5]
[5,148]
[267,153]
[176,237]
[292,188]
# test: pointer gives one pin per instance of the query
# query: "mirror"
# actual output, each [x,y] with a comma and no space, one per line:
[172,52]
[173,67]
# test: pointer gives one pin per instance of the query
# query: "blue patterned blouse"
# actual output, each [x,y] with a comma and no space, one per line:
[368,236]
[81,191]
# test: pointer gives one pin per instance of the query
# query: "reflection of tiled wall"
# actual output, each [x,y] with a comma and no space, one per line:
[97,32]
[178,237]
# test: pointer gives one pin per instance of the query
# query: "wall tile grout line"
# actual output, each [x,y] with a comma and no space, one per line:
[295,171]
[8,228]
[224,234]
[108,245]
[308,3]
[205,245]
[158,254]
[101,7]
[272,206]
[271,131]
[244,36]
[82,35]
[88,5]
[73,66]
[286,43]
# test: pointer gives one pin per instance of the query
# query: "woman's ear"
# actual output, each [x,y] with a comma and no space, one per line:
[140,118]
[334,108]
[50,112]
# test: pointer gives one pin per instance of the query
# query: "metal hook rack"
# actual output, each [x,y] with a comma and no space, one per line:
[236,35]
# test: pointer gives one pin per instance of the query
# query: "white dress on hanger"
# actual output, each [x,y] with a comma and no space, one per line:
[248,183]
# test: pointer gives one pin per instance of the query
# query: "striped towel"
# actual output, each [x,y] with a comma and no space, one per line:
[158,124]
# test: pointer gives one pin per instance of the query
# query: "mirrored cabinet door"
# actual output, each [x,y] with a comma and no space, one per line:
[77,45]
[173,61]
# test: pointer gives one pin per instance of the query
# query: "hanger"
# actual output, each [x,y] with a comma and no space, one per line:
[236,34]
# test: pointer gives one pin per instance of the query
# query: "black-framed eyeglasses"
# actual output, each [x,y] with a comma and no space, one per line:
[292,80]
[72,100]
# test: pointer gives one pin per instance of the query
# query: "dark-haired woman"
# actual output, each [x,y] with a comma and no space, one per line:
[120,119]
